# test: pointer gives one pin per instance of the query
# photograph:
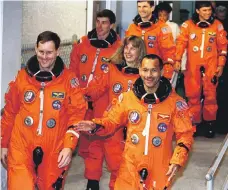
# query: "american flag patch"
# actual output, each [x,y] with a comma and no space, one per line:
[181,105]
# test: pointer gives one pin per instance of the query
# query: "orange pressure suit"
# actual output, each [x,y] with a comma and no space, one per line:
[151,121]
[88,59]
[36,116]
[116,79]
[158,40]
[206,50]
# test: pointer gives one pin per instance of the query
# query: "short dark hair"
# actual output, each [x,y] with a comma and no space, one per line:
[153,57]
[150,2]
[107,13]
[47,36]
[200,4]
[163,6]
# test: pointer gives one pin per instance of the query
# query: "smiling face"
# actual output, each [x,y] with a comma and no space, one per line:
[163,16]
[145,10]
[204,13]
[131,54]
[46,55]
[103,27]
[150,73]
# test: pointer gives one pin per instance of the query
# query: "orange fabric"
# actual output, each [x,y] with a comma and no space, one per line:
[158,40]
[114,82]
[22,139]
[168,113]
[215,44]
[82,59]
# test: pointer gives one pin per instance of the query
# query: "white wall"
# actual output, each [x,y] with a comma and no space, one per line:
[63,17]
[11,43]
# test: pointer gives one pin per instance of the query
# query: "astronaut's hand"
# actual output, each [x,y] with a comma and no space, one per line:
[65,157]
[219,71]
[173,169]
[85,126]
[177,66]
[4,153]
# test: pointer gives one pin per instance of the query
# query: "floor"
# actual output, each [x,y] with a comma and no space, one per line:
[192,178]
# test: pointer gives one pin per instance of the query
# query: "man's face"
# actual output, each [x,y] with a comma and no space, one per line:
[131,53]
[103,26]
[46,55]
[145,10]
[204,13]
[221,15]
[163,16]
[150,73]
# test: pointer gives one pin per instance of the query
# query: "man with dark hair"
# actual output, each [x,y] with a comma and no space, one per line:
[156,34]
[89,58]
[42,105]
[206,43]
[108,14]
[152,113]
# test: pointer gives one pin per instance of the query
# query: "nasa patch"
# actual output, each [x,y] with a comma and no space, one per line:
[117,88]
[162,127]
[134,117]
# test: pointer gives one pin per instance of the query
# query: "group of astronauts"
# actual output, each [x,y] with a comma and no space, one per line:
[117,101]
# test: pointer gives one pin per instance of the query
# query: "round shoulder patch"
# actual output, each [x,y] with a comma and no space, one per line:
[29,96]
[105,68]
[156,141]
[117,88]
[134,117]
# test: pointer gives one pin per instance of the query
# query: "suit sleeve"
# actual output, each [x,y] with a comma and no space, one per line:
[76,109]
[11,109]
[75,60]
[98,86]
[182,41]
[222,44]
[114,118]
[184,133]
[166,44]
